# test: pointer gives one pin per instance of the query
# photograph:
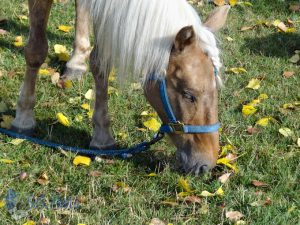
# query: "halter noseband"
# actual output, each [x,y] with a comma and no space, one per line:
[175,126]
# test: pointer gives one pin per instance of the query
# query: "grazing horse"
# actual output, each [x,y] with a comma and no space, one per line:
[161,42]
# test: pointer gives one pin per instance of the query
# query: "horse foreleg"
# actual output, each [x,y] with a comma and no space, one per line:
[102,137]
[76,66]
[35,53]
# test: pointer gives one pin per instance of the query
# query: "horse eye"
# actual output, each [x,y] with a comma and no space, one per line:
[187,95]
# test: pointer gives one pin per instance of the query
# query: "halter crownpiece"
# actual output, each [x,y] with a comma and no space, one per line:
[175,126]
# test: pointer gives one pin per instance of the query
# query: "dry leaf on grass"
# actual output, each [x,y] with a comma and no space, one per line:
[261,203]
[288,74]
[224,178]
[3,32]
[156,221]
[43,178]
[89,95]
[257,183]
[192,199]
[95,173]
[234,216]
[253,130]
[23,176]
[294,7]
[286,132]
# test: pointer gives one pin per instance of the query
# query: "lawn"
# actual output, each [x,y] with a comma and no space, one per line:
[42,185]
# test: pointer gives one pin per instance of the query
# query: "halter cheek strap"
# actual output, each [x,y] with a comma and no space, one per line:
[175,126]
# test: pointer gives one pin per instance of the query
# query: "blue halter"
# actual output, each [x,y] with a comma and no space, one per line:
[175,126]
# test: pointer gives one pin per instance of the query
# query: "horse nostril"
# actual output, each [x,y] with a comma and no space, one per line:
[198,169]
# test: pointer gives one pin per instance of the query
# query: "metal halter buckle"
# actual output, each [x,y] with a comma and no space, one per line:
[178,127]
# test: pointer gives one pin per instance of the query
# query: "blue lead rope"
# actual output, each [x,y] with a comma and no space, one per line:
[124,153]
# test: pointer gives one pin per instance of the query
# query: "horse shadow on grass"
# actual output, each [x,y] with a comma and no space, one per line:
[155,159]
[20,29]
[279,45]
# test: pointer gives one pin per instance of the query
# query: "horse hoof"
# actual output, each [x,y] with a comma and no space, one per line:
[73,74]
[27,132]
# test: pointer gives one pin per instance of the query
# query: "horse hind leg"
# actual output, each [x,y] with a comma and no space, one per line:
[76,66]
[102,137]
[35,53]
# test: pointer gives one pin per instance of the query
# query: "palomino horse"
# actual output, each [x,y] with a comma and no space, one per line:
[162,42]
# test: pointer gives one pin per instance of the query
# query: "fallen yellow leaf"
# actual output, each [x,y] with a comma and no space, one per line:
[206,194]
[232,2]
[60,49]
[152,175]
[82,160]
[227,148]
[18,41]
[112,75]
[86,106]
[64,28]
[2,203]
[7,161]
[248,110]
[44,72]
[229,38]
[62,119]
[236,70]
[219,2]
[226,162]
[254,102]
[89,95]
[90,113]
[17,141]
[183,194]
[263,96]
[219,192]
[29,222]
[62,52]
[152,124]
[264,121]
[67,84]
[184,184]
[254,84]
[290,30]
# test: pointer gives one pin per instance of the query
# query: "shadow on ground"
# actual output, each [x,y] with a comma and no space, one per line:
[278,45]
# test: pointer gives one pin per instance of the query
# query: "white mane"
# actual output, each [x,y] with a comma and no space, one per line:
[136,36]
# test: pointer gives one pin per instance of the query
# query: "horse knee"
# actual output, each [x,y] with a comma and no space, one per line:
[36,52]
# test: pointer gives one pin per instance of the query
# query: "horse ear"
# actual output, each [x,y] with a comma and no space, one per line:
[216,20]
[185,37]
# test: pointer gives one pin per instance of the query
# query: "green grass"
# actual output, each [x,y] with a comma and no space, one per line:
[267,156]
